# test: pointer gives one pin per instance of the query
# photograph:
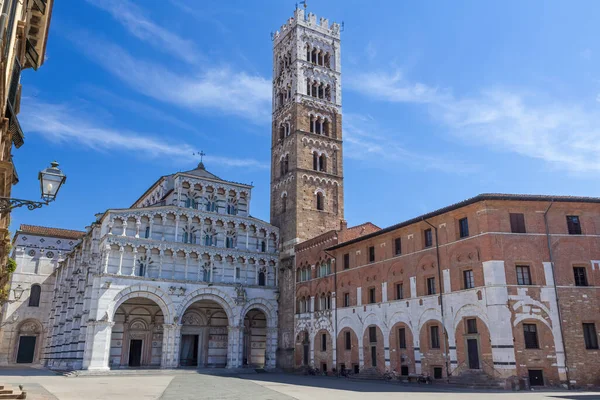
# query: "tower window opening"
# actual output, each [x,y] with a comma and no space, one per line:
[321,91]
[326,127]
[315,161]
[323,163]
[314,56]
[312,124]
[315,89]
[327,60]
[328,92]
[284,203]
[281,132]
[320,201]
[286,164]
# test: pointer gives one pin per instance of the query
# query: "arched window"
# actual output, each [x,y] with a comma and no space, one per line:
[263,246]
[326,127]
[185,237]
[320,201]
[328,92]
[34,297]
[261,278]
[323,163]
[206,273]
[281,132]
[315,161]
[208,239]
[298,275]
[284,203]
[147,232]
[287,163]
[327,60]
[328,301]
[211,204]
[229,242]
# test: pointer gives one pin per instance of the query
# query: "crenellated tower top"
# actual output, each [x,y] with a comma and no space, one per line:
[308,20]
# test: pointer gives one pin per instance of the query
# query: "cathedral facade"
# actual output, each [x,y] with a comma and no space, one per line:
[185,277]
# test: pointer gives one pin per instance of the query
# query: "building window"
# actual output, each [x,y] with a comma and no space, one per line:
[284,203]
[397,246]
[471,325]
[324,342]
[261,278]
[372,295]
[580,276]
[431,285]
[372,254]
[320,202]
[468,279]
[573,225]
[147,232]
[237,272]
[531,337]
[517,223]
[372,334]
[346,299]
[434,332]
[34,297]
[428,237]
[346,260]
[402,338]
[399,291]
[463,225]
[348,340]
[523,275]
[590,336]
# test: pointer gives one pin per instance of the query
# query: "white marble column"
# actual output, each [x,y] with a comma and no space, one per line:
[121,251]
[185,271]
[234,347]
[106,257]
[97,345]
[170,347]
[135,251]
[270,352]
[160,263]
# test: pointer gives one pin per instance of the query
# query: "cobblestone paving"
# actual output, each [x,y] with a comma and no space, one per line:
[209,387]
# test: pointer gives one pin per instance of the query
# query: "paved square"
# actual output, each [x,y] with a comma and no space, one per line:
[182,385]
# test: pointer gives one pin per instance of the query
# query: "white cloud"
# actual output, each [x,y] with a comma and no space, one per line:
[565,135]
[361,143]
[64,123]
[133,19]
[221,89]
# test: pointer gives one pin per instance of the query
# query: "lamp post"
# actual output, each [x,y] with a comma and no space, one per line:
[51,180]
[17,294]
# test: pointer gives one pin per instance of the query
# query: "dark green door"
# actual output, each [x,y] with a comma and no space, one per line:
[26,349]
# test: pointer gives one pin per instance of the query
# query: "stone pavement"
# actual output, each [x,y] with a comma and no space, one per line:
[186,384]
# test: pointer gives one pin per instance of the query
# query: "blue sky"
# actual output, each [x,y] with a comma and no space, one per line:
[440,103]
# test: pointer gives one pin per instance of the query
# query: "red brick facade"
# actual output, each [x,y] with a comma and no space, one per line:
[491,285]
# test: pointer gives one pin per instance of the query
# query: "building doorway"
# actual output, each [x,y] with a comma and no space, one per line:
[473,353]
[189,350]
[135,352]
[26,351]
[536,377]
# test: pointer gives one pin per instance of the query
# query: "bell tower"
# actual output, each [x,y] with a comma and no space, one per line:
[307,197]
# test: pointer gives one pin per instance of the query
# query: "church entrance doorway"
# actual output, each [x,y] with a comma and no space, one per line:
[26,350]
[137,334]
[189,350]
[135,353]
[255,338]
[204,335]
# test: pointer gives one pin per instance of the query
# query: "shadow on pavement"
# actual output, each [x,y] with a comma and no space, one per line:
[25,371]
[366,386]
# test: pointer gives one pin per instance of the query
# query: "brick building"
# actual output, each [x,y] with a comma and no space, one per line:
[502,285]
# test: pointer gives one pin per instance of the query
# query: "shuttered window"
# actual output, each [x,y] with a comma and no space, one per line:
[531,338]
[517,223]
[573,225]
[580,276]
[402,338]
[590,336]
[397,246]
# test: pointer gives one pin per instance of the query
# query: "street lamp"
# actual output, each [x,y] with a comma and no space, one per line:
[17,294]
[51,179]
